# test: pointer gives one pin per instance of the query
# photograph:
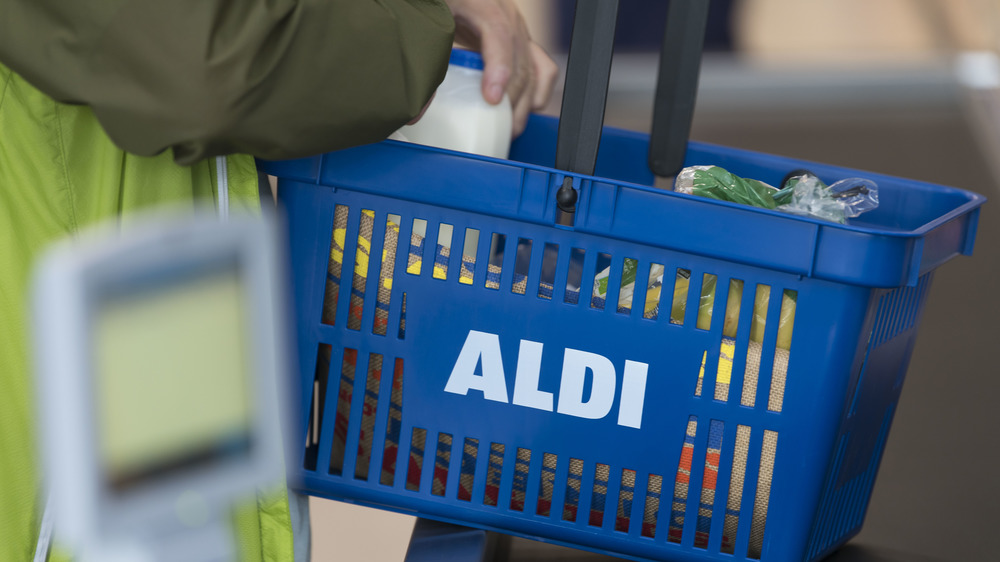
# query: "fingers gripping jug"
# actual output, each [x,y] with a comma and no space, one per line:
[459,118]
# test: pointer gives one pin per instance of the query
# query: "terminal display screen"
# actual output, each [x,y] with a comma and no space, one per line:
[172,376]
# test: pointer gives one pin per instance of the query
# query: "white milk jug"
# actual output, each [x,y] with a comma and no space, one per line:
[459,118]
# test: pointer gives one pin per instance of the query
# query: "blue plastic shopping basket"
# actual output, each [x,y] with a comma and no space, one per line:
[519,402]
[650,374]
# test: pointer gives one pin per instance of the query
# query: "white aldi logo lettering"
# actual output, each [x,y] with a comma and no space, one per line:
[484,348]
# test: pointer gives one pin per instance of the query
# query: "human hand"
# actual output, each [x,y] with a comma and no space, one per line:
[513,62]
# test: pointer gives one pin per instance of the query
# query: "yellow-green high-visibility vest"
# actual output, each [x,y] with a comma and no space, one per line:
[59,172]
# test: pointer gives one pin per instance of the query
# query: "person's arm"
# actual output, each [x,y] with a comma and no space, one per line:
[275,79]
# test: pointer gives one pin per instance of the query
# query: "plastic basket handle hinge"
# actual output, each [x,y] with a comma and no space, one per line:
[566,202]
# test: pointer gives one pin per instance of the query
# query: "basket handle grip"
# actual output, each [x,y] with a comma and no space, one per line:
[677,85]
[588,69]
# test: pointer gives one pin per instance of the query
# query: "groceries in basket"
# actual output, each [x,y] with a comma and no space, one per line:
[706,306]
[705,303]
[802,193]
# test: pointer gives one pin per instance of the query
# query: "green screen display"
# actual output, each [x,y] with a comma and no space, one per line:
[172,377]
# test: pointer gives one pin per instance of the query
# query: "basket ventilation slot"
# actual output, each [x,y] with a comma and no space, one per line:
[682,482]
[546,484]
[679,303]
[401,333]
[547,278]
[467,472]
[760,503]
[498,244]
[469,247]
[362,259]
[723,362]
[626,288]
[394,426]
[494,472]
[336,264]
[368,408]
[654,289]
[602,281]
[575,276]
[706,303]
[708,483]
[626,494]
[522,262]
[519,489]
[414,260]
[599,494]
[574,482]
[730,326]
[749,395]
[782,353]
[384,290]
[343,413]
[651,510]
[442,458]
[442,254]
[736,480]
[318,405]
[416,464]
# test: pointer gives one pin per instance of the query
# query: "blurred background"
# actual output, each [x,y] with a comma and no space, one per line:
[903,87]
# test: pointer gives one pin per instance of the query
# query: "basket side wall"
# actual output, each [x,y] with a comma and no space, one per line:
[867,416]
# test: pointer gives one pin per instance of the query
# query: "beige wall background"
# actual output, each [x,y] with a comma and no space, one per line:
[838,30]
[857,30]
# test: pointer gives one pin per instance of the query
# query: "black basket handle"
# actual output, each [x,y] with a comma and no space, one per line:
[588,69]
[584,93]
[677,85]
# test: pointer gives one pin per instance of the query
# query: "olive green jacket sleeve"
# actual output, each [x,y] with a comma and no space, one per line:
[272,78]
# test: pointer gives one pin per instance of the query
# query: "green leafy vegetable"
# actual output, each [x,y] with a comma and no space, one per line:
[717,183]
